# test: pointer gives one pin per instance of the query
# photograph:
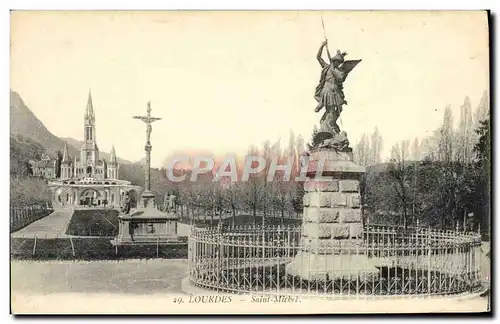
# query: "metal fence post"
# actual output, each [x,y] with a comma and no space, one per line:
[72,246]
[34,246]
[429,254]
[157,246]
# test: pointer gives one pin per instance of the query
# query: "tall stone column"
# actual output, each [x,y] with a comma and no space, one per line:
[147,185]
[149,225]
[332,226]
[147,197]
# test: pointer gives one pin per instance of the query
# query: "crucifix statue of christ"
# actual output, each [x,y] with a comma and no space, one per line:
[148,120]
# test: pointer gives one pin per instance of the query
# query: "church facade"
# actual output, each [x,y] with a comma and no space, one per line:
[89,164]
[87,180]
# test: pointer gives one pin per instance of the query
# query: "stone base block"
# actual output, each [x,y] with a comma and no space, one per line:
[339,199]
[313,267]
[350,215]
[318,185]
[319,199]
[355,201]
[321,215]
[348,185]
[321,246]
[326,230]
[355,230]
[324,199]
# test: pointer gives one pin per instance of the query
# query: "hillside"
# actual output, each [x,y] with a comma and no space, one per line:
[23,122]
[29,138]
[22,149]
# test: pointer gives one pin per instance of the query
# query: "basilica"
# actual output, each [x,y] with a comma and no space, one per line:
[88,180]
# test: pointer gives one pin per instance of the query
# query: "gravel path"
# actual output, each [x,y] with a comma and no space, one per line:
[128,277]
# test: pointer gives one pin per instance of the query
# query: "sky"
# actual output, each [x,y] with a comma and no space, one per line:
[223,81]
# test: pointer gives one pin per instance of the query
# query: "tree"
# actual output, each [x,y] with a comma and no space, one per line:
[429,146]
[451,179]
[465,134]
[231,198]
[296,189]
[28,191]
[362,151]
[401,175]
[416,150]
[446,156]
[482,188]
[252,191]
[59,157]
[483,110]
[376,147]
[267,189]
[281,194]
[312,143]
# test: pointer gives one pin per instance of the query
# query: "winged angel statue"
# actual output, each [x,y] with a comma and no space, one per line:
[329,92]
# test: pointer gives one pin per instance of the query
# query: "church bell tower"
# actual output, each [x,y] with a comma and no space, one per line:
[89,152]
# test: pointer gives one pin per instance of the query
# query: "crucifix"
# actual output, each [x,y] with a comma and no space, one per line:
[148,120]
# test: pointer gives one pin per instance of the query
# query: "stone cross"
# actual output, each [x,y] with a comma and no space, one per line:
[148,120]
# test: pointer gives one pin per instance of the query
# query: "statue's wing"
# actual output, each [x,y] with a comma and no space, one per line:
[347,66]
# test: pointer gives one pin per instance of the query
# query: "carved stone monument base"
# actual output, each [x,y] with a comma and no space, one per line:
[147,199]
[317,267]
[332,224]
[146,224]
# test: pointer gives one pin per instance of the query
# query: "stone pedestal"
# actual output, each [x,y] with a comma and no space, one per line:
[332,225]
[147,224]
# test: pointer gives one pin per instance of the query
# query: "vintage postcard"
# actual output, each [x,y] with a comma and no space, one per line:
[249,162]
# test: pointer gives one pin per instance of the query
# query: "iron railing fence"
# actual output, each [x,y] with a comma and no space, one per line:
[64,247]
[386,262]
[21,217]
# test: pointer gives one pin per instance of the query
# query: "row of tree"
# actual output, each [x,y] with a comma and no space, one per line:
[256,197]
[443,180]
[439,180]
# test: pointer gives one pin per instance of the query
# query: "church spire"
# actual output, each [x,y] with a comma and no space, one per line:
[113,155]
[89,112]
[65,157]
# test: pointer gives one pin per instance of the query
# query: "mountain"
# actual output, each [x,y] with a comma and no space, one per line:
[23,122]
[29,138]
[73,142]
[141,162]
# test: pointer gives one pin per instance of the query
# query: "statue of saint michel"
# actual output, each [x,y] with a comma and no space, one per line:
[329,92]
